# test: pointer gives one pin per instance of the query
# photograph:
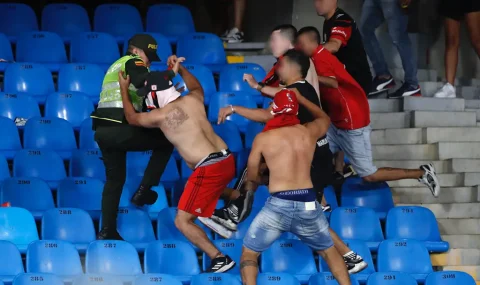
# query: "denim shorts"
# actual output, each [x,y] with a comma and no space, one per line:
[356,145]
[279,216]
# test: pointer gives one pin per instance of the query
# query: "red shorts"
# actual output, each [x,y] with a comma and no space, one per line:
[205,186]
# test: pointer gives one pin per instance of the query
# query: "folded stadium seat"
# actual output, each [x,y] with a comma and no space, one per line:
[261,196]
[138,161]
[73,107]
[230,133]
[10,261]
[225,99]
[54,256]
[97,279]
[119,20]
[391,278]
[204,76]
[155,279]
[87,163]
[360,248]
[29,193]
[87,135]
[113,257]
[170,20]
[50,133]
[277,279]
[242,227]
[65,19]
[4,170]
[44,164]
[82,193]
[37,278]
[160,204]
[10,139]
[104,45]
[230,247]
[378,196]
[164,49]
[215,279]
[357,223]
[289,256]
[326,278]
[266,102]
[404,255]
[208,50]
[68,224]
[17,225]
[16,19]
[172,256]
[231,79]
[252,130]
[449,278]
[6,52]
[32,78]
[20,105]
[49,49]
[81,77]
[413,222]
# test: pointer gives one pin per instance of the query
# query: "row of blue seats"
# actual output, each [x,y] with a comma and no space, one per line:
[119,20]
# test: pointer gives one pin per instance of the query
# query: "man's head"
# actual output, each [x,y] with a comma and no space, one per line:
[145,46]
[293,66]
[325,7]
[158,91]
[282,39]
[308,39]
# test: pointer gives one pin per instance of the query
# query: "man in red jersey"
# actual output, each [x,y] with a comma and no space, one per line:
[345,102]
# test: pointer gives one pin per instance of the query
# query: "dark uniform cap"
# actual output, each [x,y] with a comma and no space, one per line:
[156,81]
[147,43]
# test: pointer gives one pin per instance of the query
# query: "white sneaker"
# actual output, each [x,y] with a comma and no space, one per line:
[430,179]
[447,91]
[233,36]
[219,229]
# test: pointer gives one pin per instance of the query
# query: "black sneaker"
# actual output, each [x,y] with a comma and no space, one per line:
[381,84]
[144,197]
[222,217]
[221,264]
[354,263]
[406,90]
[109,234]
[338,177]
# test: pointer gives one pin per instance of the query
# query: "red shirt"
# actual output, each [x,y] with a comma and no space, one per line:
[346,105]
[272,78]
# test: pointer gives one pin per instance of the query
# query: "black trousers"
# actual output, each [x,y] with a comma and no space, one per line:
[114,142]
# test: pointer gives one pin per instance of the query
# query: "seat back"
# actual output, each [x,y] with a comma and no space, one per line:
[253,129]
[87,135]
[19,105]
[204,76]
[230,133]
[111,19]
[231,77]
[11,262]
[356,223]
[224,99]
[377,196]
[215,279]
[4,170]
[164,49]
[49,48]
[208,49]
[137,163]
[68,224]
[170,20]
[112,257]
[17,18]
[33,163]
[30,193]
[134,225]
[37,278]
[72,107]
[171,257]
[53,256]
[87,163]
[449,278]
[82,193]
[327,278]
[32,78]
[412,222]
[65,19]
[49,133]
[5,48]
[397,255]
[105,46]
[391,278]
[17,225]
[330,196]
[81,77]
[10,140]
[97,279]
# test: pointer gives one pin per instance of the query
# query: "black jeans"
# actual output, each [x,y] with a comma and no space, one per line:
[114,142]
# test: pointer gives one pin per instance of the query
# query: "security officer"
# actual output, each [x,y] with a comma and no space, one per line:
[115,136]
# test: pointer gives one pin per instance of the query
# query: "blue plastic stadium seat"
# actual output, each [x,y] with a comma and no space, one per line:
[391,278]
[10,139]
[378,196]
[81,77]
[449,278]
[6,52]
[81,193]
[225,99]
[73,107]
[230,247]
[261,196]
[215,279]
[37,278]
[289,256]
[4,170]
[49,49]
[87,135]
[97,279]
[10,261]
[357,223]
[137,162]
[105,46]
[331,197]
[326,278]
[164,49]
[412,222]
[253,129]
[160,204]
[230,133]
[68,224]
[29,193]
[32,78]
[231,79]
[16,19]
[54,256]
[50,133]
[361,249]
[65,19]
[20,105]
[172,257]
[87,163]
[277,279]
[44,164]
[402,255]
[18,226]
[113,257]
[204,76]
[110,18]
[208,50]
[170,20]
[154,279]
[135,227]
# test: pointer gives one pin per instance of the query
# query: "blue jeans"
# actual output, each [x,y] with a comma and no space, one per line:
[374,13]
[306,221]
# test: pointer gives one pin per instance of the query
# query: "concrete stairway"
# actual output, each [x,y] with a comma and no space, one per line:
[412,131]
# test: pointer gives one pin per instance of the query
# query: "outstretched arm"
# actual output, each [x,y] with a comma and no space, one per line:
[318,127]
[256,115]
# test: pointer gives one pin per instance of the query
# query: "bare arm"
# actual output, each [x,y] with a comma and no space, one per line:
[192,83]
[270,91]
[254,164]
[256,115]
[318,127]
[333,45]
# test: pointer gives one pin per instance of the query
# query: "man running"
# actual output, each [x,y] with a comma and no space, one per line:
[288,148]
[184,122]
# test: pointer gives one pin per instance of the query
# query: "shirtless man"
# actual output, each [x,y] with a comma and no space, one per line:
[288,149]
[184,122]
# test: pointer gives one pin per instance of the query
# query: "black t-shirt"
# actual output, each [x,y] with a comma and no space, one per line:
[352,53]
[307,91]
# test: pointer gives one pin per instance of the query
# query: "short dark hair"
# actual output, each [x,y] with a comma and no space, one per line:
[300,59]
[288,31]
[312,32]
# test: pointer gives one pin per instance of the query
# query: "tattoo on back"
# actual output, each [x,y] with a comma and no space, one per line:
[247,263]
[175,118]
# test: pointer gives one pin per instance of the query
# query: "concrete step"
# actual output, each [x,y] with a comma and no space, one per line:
[465,165]
[397,136]
[449,150]
[445,180]
[418,195]
[473,270]
[422,74]
[459,226]
[465,134]
[423,119]
[441,166]
[463,241]
[390,120]
[433,104]
[469,92]
[385,105]
[472,179]
[430,87]
[453,210]
[456,257]
[405,152]
[472,104]
[477,112]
